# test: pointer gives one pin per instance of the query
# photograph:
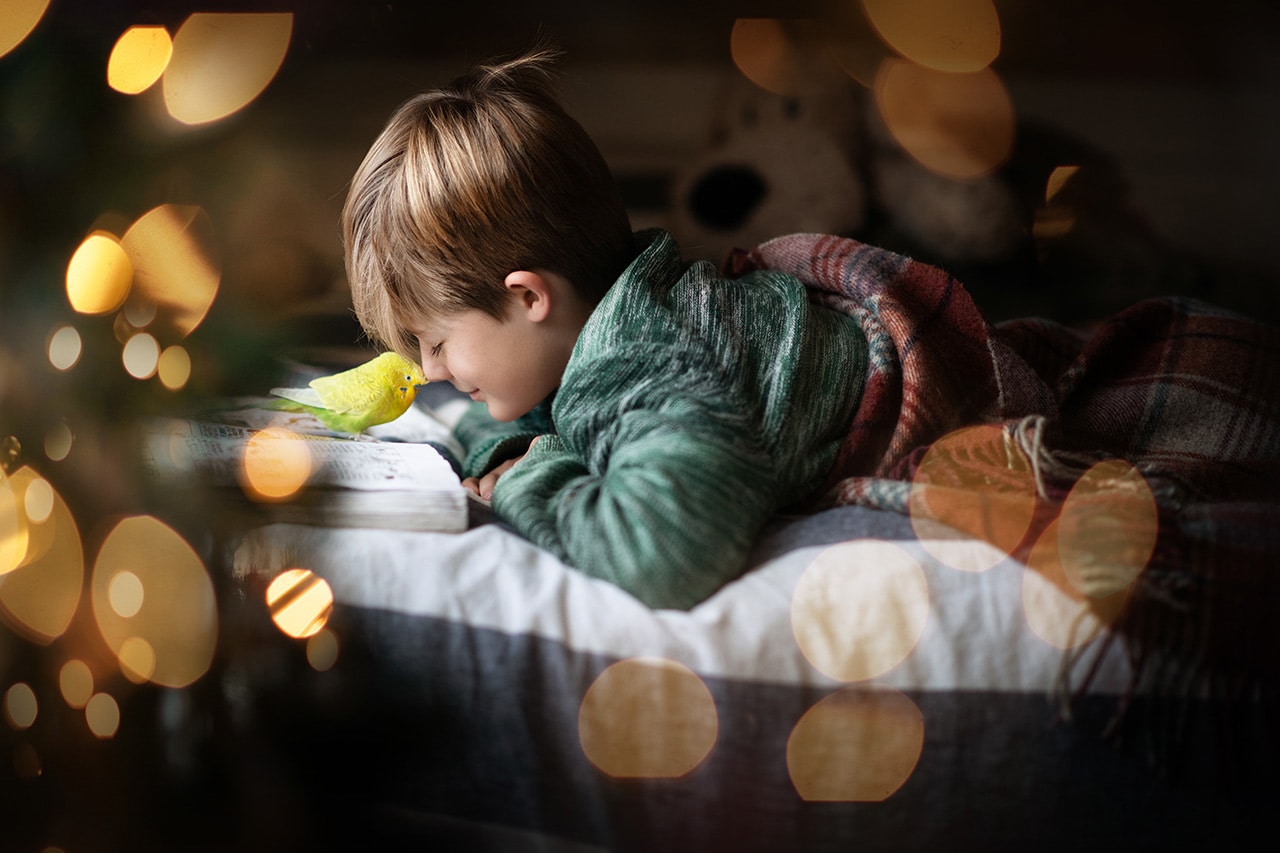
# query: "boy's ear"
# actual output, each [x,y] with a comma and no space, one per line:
[534,291]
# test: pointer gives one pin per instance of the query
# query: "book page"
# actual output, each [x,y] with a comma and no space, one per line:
[178,446]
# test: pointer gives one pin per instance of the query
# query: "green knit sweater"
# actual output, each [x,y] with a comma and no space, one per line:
[692,408]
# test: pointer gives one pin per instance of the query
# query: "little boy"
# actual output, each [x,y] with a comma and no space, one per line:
[666,411]
[651,415]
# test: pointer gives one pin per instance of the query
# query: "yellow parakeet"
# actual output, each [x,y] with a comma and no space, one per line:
[378,391]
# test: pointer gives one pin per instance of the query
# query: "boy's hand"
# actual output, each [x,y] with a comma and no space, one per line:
[483,486]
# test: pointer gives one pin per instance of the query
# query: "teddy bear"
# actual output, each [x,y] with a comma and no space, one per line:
[822,161]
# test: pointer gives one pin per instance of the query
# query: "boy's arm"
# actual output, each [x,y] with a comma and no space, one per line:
[671,518]
[487,442]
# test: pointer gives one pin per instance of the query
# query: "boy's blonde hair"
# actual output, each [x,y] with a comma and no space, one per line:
[469,183]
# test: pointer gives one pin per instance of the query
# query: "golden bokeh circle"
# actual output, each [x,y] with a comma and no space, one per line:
[648,718]
[137,660]
[859,609]
[102,714]
[38,500]
[860,744]
[1107,529]
[14,526]
[58,441]
[763,52]
[960,126]
[17,19]
[300,602]
[1054,607]
[99,275]
[176,272]
[222,61]
[276,464]
[322,650]
[177,617]
[174,367]
[65,348]
[141,355]
[946,35]
[138,59]
[41,592]
[125,594]
[21,706]
[75,681]
[973,483]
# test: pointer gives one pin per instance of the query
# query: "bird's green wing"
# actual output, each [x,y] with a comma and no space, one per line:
[351,391]
[370,393]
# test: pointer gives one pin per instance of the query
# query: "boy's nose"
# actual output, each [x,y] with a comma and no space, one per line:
[436,372]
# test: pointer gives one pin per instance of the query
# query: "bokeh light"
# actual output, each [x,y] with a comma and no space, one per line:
[946,35]
[859,56]
[1107,529]
[300,602]
[122,328]
[125,593]
[99,275]
[860,744]
[103,715]
[38,500]
[65,348]
[20,705]
[40,594]
[1055,611]
[763,52]
[1055,220]
[859,609]
[1058,179]
[174,367]
[276,464]
[322,650]
[139,313]
[137,660]
[974,483]
[222,62]
[141,355]
[17,19]
[75,681]
[58,440]
[13,526]
[139,57]
[647,718]
[957,125]
[1082,569]
[177,617]
[176,274]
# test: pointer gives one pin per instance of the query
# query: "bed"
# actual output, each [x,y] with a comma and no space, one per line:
[870,680]
[485,696]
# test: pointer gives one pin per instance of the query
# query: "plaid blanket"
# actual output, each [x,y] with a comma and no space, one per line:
[1187,394]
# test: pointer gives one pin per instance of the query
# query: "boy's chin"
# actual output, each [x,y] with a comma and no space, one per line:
[501,413]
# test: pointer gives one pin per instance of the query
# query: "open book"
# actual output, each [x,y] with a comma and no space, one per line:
[293,469]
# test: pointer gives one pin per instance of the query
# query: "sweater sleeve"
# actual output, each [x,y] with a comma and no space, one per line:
[487,442]
[667,503]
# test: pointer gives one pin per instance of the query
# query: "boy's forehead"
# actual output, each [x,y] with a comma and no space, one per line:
[422,326]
